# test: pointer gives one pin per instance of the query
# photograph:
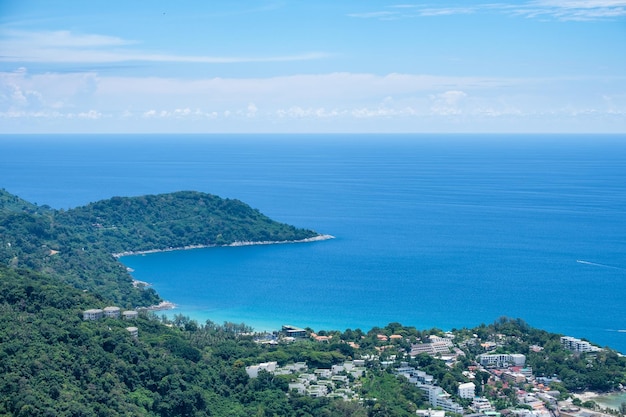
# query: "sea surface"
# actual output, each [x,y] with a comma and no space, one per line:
[443,231]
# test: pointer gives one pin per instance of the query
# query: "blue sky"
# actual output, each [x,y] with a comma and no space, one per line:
[312,66]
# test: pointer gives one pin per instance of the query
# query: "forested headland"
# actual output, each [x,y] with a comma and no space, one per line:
[77,245]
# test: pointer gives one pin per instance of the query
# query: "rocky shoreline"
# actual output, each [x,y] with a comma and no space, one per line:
[163,305]
[239,243]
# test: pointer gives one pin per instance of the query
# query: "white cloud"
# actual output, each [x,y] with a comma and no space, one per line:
[448,103]
[67,47]
[374,15]
[20,90]
[252,110]
[91,114]
[587,10]
[146,103]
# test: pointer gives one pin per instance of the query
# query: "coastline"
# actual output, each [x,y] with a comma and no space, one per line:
[233,244]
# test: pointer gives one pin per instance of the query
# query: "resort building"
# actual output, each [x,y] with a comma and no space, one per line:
[93,314]
[502,360]
[130,315]
[577,345]
[112,312]
[134,332]
[440,345]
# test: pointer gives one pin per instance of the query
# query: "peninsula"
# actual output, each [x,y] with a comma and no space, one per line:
[80,245]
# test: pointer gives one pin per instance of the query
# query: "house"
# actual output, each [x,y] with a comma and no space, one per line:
[323,339]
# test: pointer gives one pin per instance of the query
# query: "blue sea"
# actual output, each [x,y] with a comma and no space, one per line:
[443,231]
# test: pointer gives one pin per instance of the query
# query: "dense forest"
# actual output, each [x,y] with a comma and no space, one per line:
[77,245]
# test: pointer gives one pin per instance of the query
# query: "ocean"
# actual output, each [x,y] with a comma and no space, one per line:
[443,231]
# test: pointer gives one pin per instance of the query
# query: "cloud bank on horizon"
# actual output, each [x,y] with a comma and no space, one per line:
[349,66]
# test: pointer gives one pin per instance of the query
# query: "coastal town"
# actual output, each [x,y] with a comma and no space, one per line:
[493,383]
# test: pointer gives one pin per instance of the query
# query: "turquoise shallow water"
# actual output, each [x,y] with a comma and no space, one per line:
[431,231]
[613,401]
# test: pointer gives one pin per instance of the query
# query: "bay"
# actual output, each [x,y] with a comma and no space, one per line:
[431,230]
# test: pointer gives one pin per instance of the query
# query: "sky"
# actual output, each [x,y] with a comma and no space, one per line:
[256,66]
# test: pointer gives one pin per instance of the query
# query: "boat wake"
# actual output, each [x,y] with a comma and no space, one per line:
[597,264]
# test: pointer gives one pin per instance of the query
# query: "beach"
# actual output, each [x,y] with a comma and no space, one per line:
[234,244]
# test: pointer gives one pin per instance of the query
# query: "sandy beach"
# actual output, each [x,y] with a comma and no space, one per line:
[586,396]
[234,244]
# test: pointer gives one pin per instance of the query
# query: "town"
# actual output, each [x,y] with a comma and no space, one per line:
[493,383]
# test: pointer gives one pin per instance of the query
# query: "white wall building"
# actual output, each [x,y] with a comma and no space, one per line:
[437,397]
[467,390]
[481,405]
[503,359]
[577,345]
[253,370]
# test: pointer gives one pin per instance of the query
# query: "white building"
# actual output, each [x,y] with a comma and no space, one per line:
[430,413]
[467,390]
[503,359]
[253,370]
[481,405]
[437,397]
[577,345]
[436,345]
